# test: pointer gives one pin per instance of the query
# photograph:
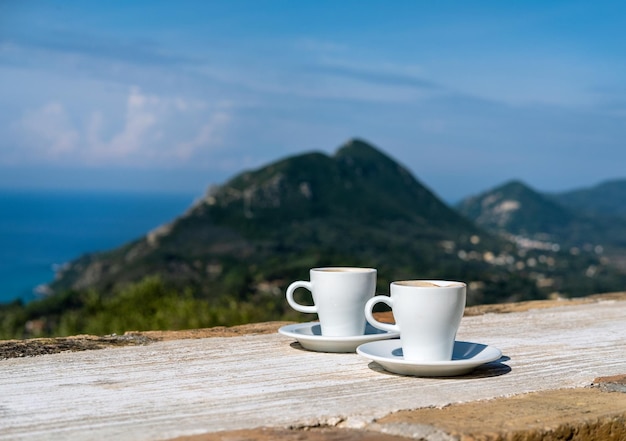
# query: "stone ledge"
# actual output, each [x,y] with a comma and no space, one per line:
[43,346]
[54,345]
[584,414]
[571,414]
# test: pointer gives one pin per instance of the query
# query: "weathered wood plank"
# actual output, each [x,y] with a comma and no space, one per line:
[183,387]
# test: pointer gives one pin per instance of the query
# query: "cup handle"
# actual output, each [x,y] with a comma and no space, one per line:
[370,318]
[295,305]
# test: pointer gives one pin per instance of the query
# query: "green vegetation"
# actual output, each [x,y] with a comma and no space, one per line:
[147,305]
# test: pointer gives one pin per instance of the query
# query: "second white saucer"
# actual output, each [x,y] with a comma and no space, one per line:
[309,335]
[466,357]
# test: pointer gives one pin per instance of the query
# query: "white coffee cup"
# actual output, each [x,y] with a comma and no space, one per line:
[339,297]
[427,314]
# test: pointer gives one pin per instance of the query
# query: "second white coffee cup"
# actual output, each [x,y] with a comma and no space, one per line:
[339,297]
[427,314]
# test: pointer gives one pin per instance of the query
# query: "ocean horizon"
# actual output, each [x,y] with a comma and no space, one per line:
[42,230]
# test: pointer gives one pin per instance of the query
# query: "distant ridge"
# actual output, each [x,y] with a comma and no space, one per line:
[604,199]
[586,222]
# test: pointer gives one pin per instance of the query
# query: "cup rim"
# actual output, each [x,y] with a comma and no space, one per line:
[343,269]
[421,283]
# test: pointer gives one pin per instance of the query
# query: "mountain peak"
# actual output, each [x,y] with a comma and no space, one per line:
[515,183]
[359,149]
[516,187]
[358,180]
[517,208]
[356,143]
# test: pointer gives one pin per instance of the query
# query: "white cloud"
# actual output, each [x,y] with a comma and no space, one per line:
[208,135]
[142,114]
[49,131]
[149,132]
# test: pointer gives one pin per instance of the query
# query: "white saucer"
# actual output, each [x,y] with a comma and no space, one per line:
[309,335]
[466,357]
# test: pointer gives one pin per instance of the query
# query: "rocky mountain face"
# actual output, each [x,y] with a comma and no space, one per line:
[249,238]
[517,209]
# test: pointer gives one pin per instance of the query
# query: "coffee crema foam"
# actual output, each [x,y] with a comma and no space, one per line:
[344,270]
[428,284]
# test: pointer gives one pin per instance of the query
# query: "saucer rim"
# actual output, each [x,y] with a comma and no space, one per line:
[495,354]
[325,338]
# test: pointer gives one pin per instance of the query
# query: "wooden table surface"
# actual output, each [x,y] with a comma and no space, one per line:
[192,386]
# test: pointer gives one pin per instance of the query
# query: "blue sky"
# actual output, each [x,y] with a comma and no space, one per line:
[179,95]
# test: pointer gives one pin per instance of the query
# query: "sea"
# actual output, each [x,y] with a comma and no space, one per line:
[42,230]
